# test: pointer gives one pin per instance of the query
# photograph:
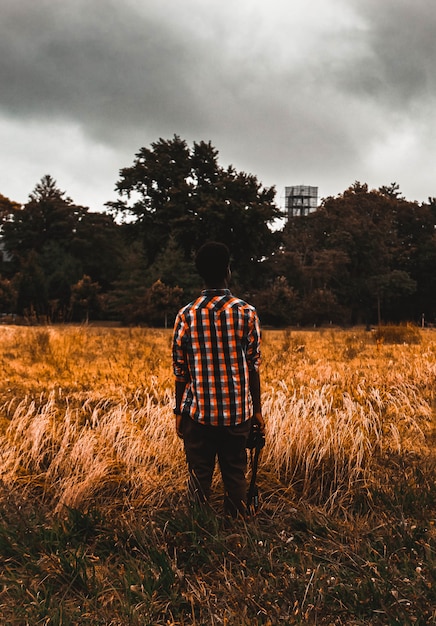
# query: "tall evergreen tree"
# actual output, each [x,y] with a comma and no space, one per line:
[64,242]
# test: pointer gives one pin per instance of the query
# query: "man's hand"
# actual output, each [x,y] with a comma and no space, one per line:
[258,419]
[179,426]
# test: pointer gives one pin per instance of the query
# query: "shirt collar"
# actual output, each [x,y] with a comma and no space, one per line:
[216,292]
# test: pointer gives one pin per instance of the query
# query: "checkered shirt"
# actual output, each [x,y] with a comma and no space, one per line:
[216,343]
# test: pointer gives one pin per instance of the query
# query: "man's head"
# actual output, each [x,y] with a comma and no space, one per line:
[212,263]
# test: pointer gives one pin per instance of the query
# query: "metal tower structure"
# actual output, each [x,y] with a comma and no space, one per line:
[300,200]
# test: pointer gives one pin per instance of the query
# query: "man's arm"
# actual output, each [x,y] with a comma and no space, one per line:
[179,391]
[254,382]
[180,370]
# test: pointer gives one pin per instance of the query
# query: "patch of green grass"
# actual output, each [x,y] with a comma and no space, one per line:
[179,566]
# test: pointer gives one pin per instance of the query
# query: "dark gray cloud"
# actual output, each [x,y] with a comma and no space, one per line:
[399,53]
[100,63]
[320,93]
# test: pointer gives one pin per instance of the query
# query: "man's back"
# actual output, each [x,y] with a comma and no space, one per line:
[216,345]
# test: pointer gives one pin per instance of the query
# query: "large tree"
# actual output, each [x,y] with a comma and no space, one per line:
[58,242]
[372,250]
[48,216]
[173,192]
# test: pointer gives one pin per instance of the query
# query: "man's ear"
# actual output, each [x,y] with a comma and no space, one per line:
[229,274]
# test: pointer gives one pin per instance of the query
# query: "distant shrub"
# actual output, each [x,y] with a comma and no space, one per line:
[398,334]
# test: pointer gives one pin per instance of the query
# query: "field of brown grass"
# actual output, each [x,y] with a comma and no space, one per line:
[93,523]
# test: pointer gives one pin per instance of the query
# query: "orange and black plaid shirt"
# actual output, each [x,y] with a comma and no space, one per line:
[216,343]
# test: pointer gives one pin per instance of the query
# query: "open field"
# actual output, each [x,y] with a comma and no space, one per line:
[93,524]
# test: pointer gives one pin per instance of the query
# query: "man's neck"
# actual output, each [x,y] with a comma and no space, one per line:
[222,285]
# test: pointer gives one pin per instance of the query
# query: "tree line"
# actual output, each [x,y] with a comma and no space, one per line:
[364,256]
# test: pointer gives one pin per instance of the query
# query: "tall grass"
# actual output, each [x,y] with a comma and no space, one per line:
[87,440]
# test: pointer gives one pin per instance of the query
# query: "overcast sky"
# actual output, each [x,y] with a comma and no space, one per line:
[314,92]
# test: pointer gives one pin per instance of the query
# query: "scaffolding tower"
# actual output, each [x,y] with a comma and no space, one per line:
[301,200]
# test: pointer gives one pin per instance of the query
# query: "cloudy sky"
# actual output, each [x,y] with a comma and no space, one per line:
[314,92]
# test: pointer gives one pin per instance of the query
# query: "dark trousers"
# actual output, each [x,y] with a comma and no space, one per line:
[203,445]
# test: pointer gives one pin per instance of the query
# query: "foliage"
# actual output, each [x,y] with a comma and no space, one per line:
[397,334]
[47,217]
[8,295]
[53,243]
[364,256]
[183,194]
[278,303]
[32,287]
[161,302]
[7,207]
[85,297]
[372,250]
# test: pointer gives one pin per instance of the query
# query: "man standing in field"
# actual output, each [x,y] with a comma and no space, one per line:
[216,357]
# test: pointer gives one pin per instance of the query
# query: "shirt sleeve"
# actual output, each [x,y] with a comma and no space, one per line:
[180,367]
[253,345]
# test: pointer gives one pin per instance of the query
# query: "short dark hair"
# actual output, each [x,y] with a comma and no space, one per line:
[212,261]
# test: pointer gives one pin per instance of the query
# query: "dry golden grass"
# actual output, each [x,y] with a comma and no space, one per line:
[338,402]
[86,412]
[93,526]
